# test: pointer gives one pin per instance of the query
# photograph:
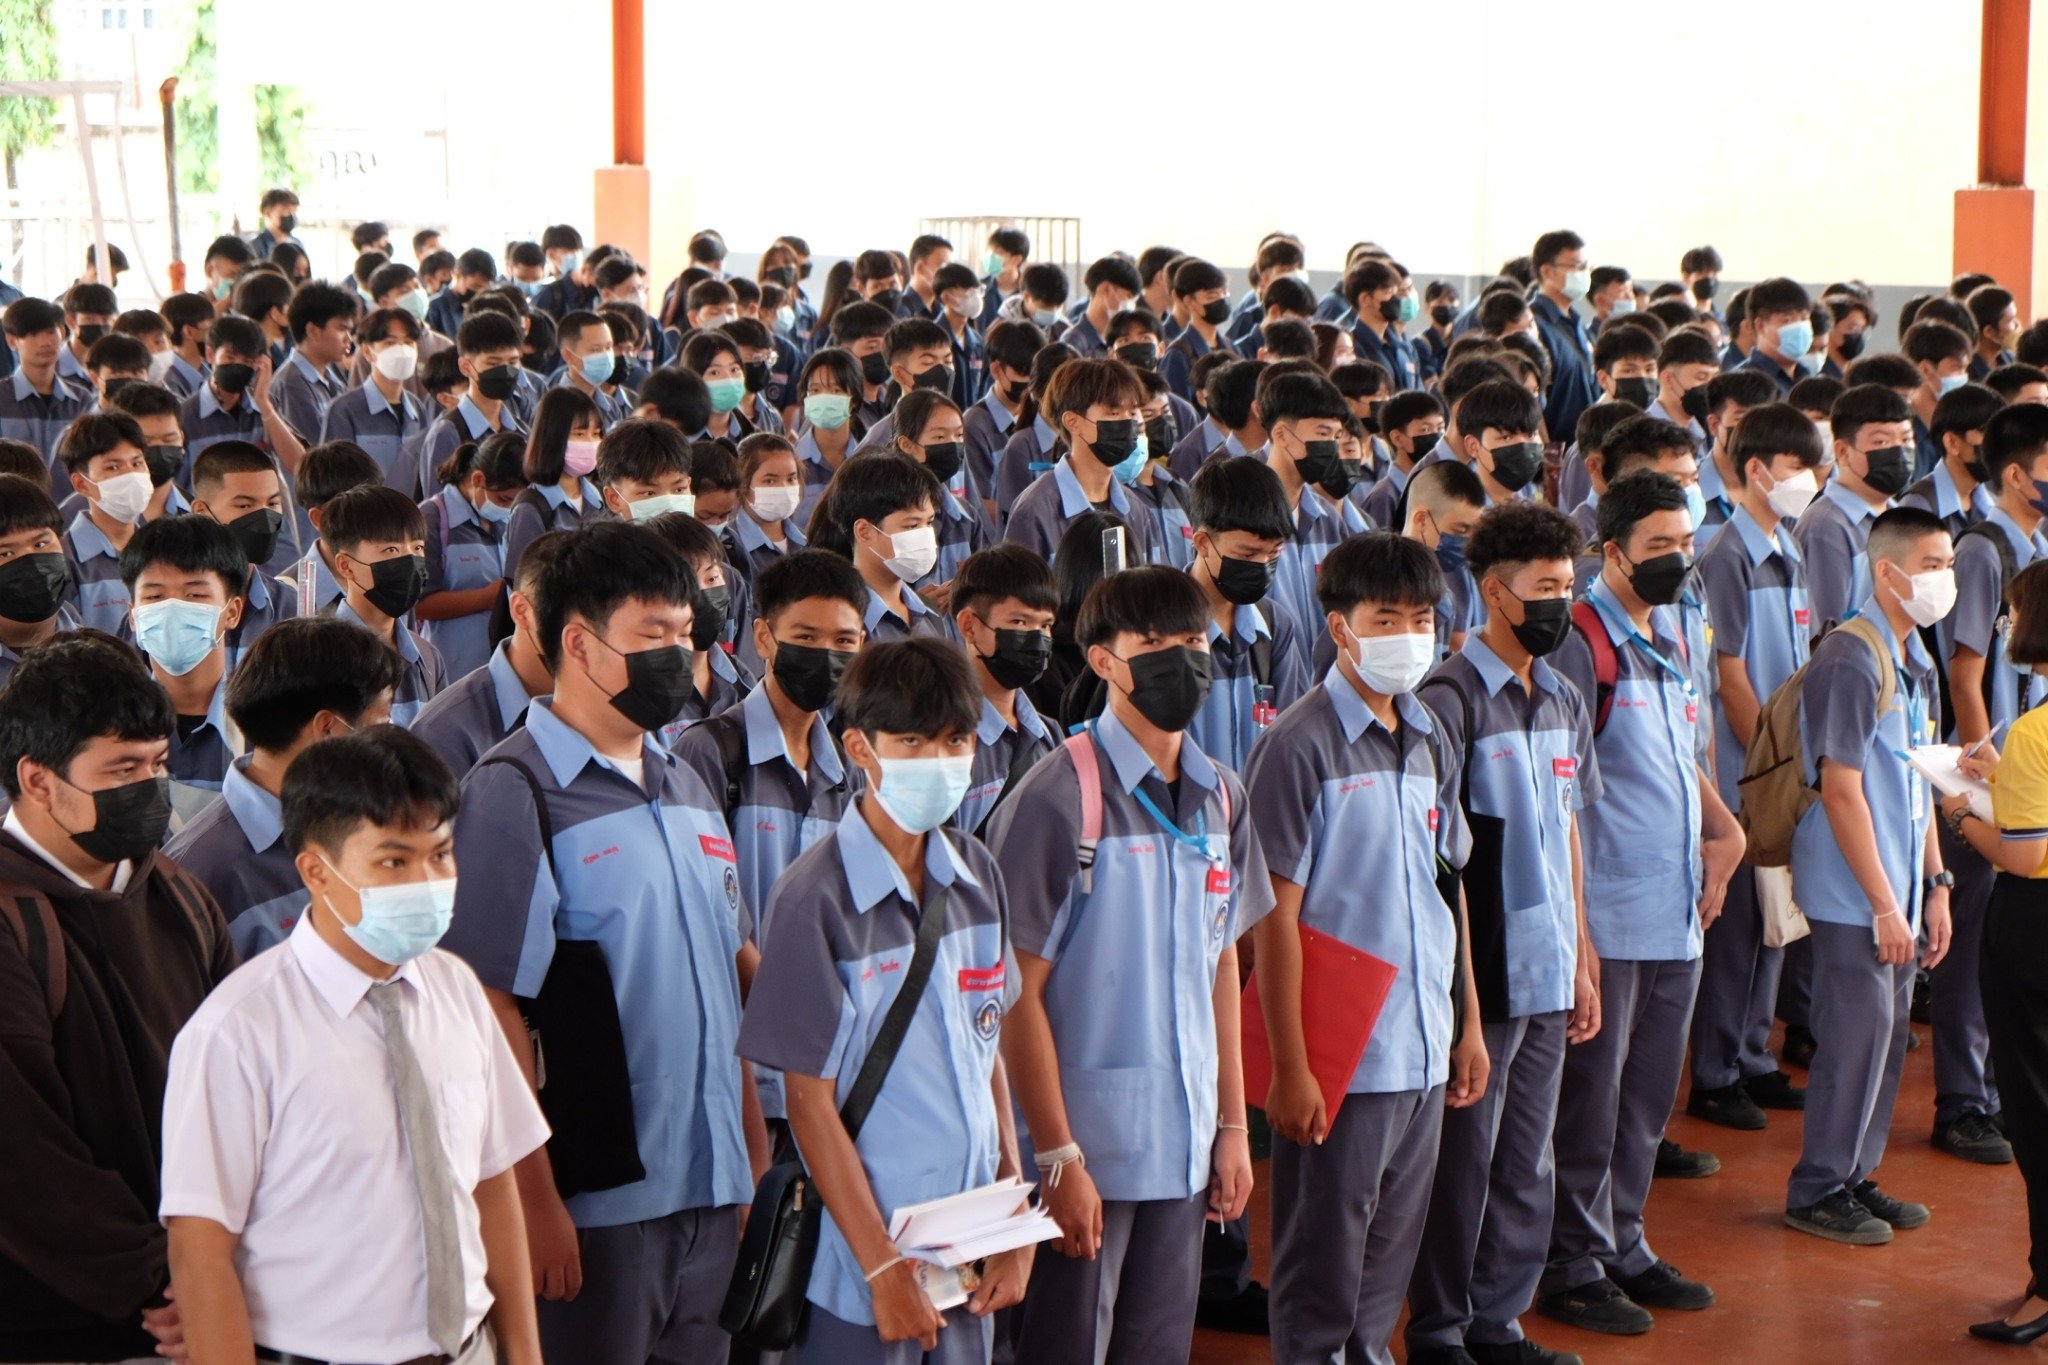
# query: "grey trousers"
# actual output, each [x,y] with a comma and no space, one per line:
[1618,1089]
[1488,1226]
[1795,985]
[1955,998]
[1738,996]
[1347,1221]
[651,1293]
[1134,1304]
[1859,1025]
[826,1340]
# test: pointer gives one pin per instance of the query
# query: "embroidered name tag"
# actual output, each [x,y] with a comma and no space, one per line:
[717,848]
[982,978]
[1564,767]
[1219,881]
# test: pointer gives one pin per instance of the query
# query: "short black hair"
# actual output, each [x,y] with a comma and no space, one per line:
[370,512]
[1114,271]
[190,543]
[1514,533]
[233,332]
[804,574]
[1013,342]
[315,304]
[1300,397]
[90,300]
[382,776]
[1194,275]
[1816,393]
[876,484]
[1153,600]
[678,395]
[1000,572]
[1687,346]
[95,434]
[1290,339]
[1361,378]
[1964,409]
[1745,387]
[1897,528]
[1864,404]
[1552,245]
[603,566]
[1892,370]
[1772,430]
[641,450]
[1380,567]
[1617,343]
[714,468]
[2016,435]
[1640,441]
[1409,405]
[1239,494]
[28,316]
[1700,260]
[1231,389]
[697,543]
[909,687]
[1628,500]
[119,353]
[330,470]
[1501,405]
[486,330]
[2007,380]
[25,502]
[300,667]
[1777,295]
[75,688]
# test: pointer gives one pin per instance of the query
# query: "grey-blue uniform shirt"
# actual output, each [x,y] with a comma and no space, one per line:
[1256,671]
[302,392]
[1756,596]
[236,849]
[1039,518]
[40,419]
[422,674]
[1000,746]
[1980,595]
[471,715]
[1832,533]
[884,624]
[389,433]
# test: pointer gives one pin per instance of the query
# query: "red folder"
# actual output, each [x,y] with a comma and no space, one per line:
[1343,990]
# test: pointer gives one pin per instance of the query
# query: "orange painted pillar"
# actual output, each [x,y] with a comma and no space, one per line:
[622,212]
[1995,217]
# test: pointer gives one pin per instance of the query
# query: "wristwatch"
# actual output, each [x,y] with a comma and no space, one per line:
[1954,820]
[1944,879]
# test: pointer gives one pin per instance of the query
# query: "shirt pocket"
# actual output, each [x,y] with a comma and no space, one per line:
[1108,1111]
[464,1107]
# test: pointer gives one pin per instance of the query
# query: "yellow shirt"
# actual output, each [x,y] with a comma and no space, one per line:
[2019,786]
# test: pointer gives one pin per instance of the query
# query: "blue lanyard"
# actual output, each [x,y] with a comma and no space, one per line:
[1197,841]
[1636,639]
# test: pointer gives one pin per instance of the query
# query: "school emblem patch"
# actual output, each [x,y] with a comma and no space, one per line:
[1219,926]
[988,1019]
[732,889]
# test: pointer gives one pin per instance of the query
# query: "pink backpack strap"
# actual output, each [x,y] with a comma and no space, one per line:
[1088,770]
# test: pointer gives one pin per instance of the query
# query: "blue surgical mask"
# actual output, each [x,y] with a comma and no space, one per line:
[491,512]
[647,509]
[920,793]
[178,635]
[1795,339]
[1044,317]
[1695,505]
[414,302]
[1450,552]
[1132,465]
[785,319]
[596,368]
[400,922]
[530,287]
[571,261]
[1949,383]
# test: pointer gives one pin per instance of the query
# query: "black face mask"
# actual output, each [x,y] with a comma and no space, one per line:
[89,332]
[1318,461]
[1545,623]
[1020,657]
[1515,465]
[1443,315]
[784,275]
[128,821]
[1141,355]
[287,223]
[1216,312]
[1890,469]
[498,382]
[1659,580]
[1014,393]
[711,609]
[803,271]
[938,379]
[257,533]
[756,372]
[1851,346]
[1425,443]
[1242,581]
[874,368]
[396,585]
[233,377]
[1975,467]
[1114,440]
[164,461]
[1161,434]
[1640,391]
[1706,287]
[33,587]
[1349,472]
[807,674]
[888,298]
[944,458]
[117,386]
[1168,686]
[658,682]
[1694,402]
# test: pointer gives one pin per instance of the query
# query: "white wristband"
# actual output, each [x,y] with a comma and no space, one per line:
[1054,1160]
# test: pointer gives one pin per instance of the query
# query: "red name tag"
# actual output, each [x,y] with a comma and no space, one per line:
[982,978]
[1802,616]
[1434,816]
[1565,767]
[1187,533]
[1219,881]
[1692,713]
[716,847]
[1263,714]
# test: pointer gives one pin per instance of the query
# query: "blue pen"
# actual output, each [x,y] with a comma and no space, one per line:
[1971,751]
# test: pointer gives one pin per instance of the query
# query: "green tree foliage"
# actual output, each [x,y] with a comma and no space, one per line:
[280,117]
[28,53]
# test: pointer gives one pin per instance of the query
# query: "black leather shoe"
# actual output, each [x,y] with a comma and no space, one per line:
[1798,1046]
[1244,1312]
[1730,1106]
[1675,1163]
[1597,1307]
[1775,1091]
[2011,1333]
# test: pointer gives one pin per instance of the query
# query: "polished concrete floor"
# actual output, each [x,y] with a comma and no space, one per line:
[1785,1296]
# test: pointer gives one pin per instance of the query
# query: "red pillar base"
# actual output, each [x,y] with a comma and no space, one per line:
[1995,234]
[622,212]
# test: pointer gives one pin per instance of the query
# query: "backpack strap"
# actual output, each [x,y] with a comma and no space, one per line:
[1088,769]
[540,803]
[1606,662]
[1887,668]
[728,732]
[1262,655]
[33,925]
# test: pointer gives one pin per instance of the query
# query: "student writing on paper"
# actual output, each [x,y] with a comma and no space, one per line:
[1355,774]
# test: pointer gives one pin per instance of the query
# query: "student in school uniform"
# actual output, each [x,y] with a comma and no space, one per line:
[262,297]
[1535,969]
[758,361]
[960,300]
[314,681]
[1780,313]
[1094,405]
[1258,660]
[881,509]
[643,470]
[715,358]
[382,414]
[764,527]
[1959,490]
[1444,503]
[1872,433]
[1589,445]
[187,316]
[1723,402]
[488,354]
[1686,360]
[920,356]
[1035,443]
[640,861]
[83,735]
[722,606]
[468,718]
[1625,369]
[1230,424]
[588,363]
[1357,770]
[36,403]
[1381,299]
[1202,289]
[327,472]
[322,321]
[103,455]
[155,410]
[35,573]
[234,402]
[1161,500]
[1755,586]
[1004,602]
[185,575]
[1939,354]
[1113,286]
[561,452]
[377,540]
[1303,414]
[1122,1047]
[355,1057]
[929,430]
[829,392]
[1499,431]
[858,896]
[466,547]
[1011,346]
[1648,901]
[1867,865]
[1411,424]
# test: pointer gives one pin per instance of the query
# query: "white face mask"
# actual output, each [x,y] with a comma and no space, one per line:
[160,365]
[646,509]
[1789,497]
[397,363]
[124,496]
[1393,664]
[1934,596]
[915,553]
[777,504]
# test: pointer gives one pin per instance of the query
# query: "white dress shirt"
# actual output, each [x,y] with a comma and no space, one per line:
[12,825]
[281,1124]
